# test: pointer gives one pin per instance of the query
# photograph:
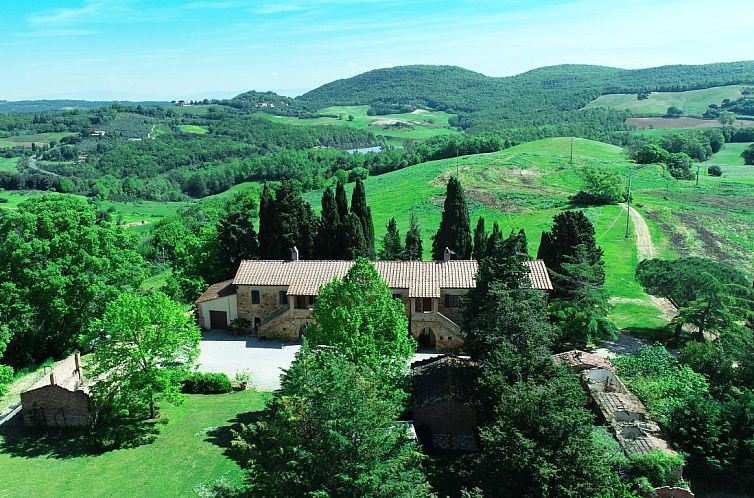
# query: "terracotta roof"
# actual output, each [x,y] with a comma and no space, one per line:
[216,291]
[581,360]
[420,278]
[66,376]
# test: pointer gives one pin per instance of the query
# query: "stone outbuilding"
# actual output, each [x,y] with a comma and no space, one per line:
[60,399]
[444,416]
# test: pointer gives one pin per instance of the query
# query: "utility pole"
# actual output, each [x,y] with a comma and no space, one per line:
[571,151]
[628,202]
[698,165]
[457,169]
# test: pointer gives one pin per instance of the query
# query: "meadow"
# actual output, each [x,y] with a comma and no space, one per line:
[192,448]
[36,138]
[418,125]
[692,102]
[8,164]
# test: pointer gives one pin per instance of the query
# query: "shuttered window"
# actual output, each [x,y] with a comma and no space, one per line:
[254,297]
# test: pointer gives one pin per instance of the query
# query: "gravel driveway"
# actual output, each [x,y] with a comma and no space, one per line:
[266,360]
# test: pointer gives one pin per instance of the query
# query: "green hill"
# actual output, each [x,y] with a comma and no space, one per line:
[542,96]
[692,102]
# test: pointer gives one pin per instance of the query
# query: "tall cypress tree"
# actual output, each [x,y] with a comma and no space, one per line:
[455,228]
[354,237]
[236,236]
[495,239]
[569,230]
[291,221]
[269,225]
[480,240]
[392,248]
[341,200]
[364,213]
[414,249]
[328,243]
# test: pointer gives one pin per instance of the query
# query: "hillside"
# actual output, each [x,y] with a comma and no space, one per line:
[541,96]
[691,102]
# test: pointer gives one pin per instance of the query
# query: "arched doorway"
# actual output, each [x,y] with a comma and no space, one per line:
[427,338]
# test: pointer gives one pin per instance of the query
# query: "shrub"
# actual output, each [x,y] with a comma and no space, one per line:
[715,170]
[748,155]
[6,375]
[207,383]
[662,469]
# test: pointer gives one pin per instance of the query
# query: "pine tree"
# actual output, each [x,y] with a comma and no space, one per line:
[392,248]
[455,229]
[414,249]
[364,213]
[495,239]
[341,200]
[328,243]
[546,250]
[269,225]
[354,237]
[236,236]
[480,240]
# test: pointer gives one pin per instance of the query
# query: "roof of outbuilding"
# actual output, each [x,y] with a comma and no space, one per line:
[420,278]
[442,377]
[216,291]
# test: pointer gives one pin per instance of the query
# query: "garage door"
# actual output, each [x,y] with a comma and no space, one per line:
[218,320]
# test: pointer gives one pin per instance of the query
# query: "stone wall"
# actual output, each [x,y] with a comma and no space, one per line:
[55,406]
[269,302]
[447,337]
[287,326]
[451,425]
[454,314]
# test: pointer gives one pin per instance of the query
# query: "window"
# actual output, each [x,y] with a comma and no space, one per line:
[254,297]
[312,299]
[302,302]
[424,305]
[452,301]
[283,297]
[398,296]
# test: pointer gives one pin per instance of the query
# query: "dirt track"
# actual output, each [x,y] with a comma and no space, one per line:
[646,249]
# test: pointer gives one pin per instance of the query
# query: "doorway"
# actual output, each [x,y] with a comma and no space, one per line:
[427,338]
[218,320]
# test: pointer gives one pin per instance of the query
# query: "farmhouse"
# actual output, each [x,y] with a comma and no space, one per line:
[97,133]
[60,399]
[277,296]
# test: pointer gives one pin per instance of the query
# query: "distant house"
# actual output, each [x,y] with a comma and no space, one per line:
[97,133]
[81,158]
[444,416]
[277,296]
[183,103]
[60,399]
[265,105]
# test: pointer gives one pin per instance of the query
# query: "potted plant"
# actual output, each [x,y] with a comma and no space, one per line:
[243,377]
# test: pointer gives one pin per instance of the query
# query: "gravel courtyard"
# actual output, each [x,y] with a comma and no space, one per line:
[266,360]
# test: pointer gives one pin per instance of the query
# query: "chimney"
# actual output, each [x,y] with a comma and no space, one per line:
[77,359]
[52,379]
[294,254]
[446,255]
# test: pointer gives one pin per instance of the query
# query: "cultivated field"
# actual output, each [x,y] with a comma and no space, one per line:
[192,448]
[37,138]
[199,130]
[692,103]
[674,123]
[8,164]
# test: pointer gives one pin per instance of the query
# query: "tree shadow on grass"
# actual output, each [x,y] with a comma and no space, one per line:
[20,441]
[223,436]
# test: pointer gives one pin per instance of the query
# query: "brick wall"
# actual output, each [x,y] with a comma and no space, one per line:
[55,406]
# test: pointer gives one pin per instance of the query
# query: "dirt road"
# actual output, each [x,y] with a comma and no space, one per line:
[646,249]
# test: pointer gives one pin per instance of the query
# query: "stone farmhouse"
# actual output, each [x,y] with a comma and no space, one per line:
[60,399]
[277,296]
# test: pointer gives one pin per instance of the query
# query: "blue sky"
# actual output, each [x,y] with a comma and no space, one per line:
[161,49]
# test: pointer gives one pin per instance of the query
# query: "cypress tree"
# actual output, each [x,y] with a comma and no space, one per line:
[354,237]
[480,240]
[495,239]
[341,200]
[296,225]
[546,250]
[269,225]
[364,213]
[236,236]
[328,243]
[392,248]
[455,228]
[414,249]
[569,230]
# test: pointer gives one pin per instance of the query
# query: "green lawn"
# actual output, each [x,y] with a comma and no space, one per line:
[692,103]
[419,125]
[199,130]
[192,448]
[8,164]
[730,160]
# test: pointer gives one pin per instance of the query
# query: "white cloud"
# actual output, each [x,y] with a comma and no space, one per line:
[65,16]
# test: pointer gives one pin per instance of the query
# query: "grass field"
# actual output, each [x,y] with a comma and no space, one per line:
[199,130]
[8,164]
[692,103]
[37,138]
[418,125]
[730,160]
[191,449]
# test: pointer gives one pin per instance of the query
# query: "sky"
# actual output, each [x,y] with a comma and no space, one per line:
[170,50]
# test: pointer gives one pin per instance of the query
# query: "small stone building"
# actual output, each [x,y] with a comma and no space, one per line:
[60,399]
[444,417]
[277,296]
